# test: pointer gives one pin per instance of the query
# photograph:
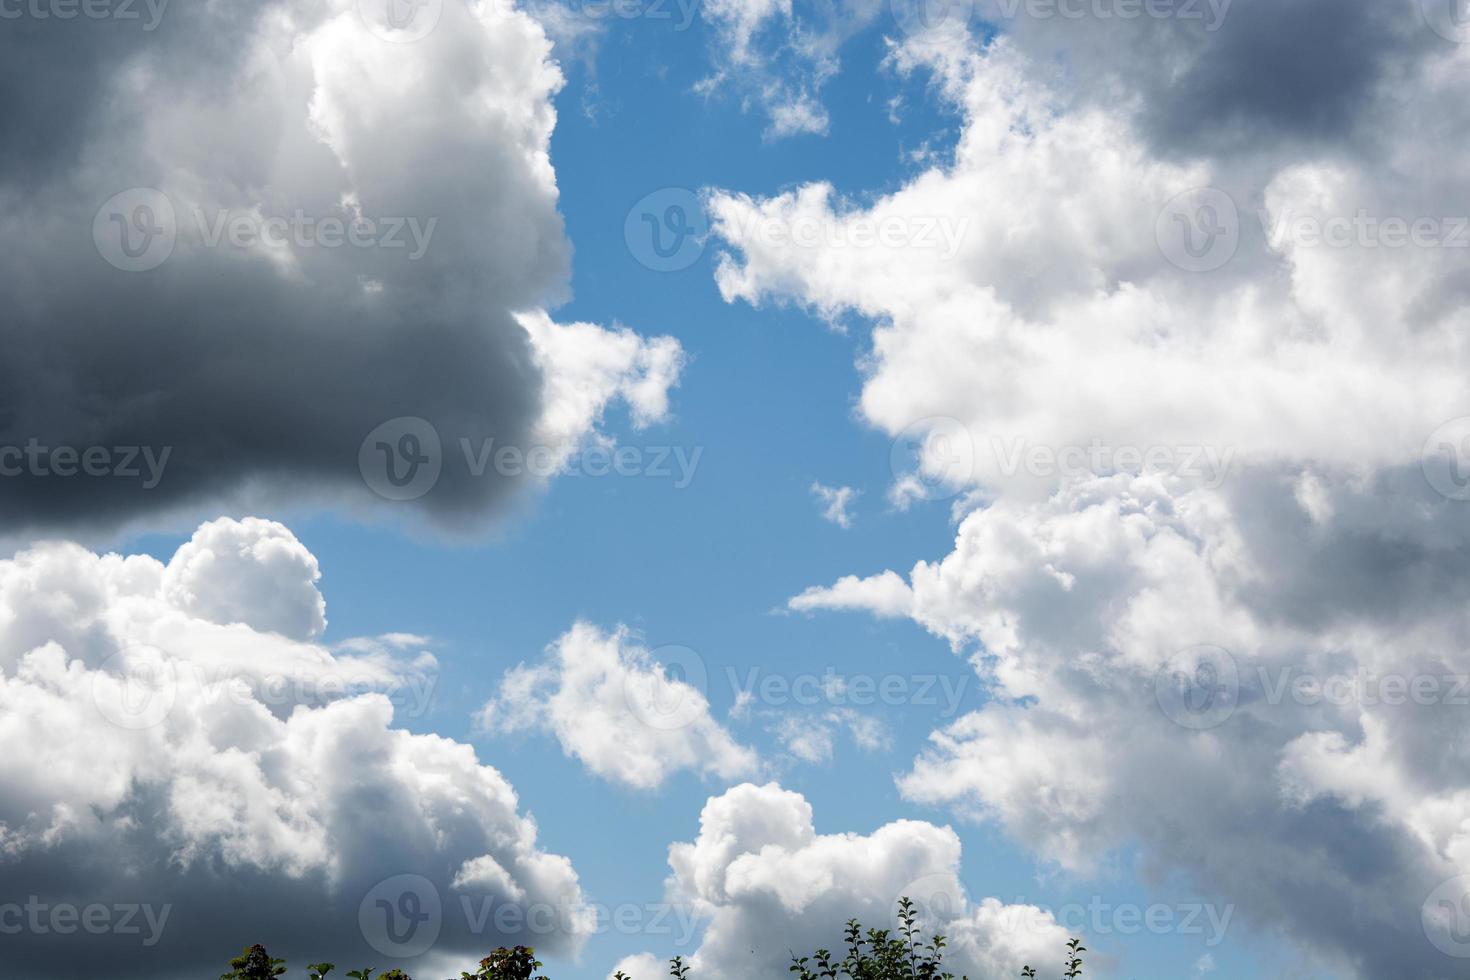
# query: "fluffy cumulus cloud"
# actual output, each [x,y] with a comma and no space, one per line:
[768,884]
[1176,330]
[330,224]
[192,750]
[630,715]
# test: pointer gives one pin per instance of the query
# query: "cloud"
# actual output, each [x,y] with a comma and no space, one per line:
[778,58]
[243,572]
[192,750]
[835,501]
[770,885]
[1174,464]
[1239,79]
[619,710]
[269,232]
[885,595]
[811,737]
[639,966]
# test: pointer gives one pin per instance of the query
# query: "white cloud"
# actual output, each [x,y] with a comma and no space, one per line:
[641,966]
[586,367]
[834,502]
[614,706]
[243,572]
[182,748]
[1164,458]
[770,885]
[1057,288]
[886,595]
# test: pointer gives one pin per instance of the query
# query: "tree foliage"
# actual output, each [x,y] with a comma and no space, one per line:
[869,954]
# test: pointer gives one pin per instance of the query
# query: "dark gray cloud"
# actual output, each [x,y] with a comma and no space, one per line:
[1284,70]
[261,370]
[1232,77]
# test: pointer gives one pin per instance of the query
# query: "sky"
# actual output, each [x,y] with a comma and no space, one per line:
[665,477]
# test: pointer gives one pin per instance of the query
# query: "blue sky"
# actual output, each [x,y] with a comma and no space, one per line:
[768,396]
[1184,409]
